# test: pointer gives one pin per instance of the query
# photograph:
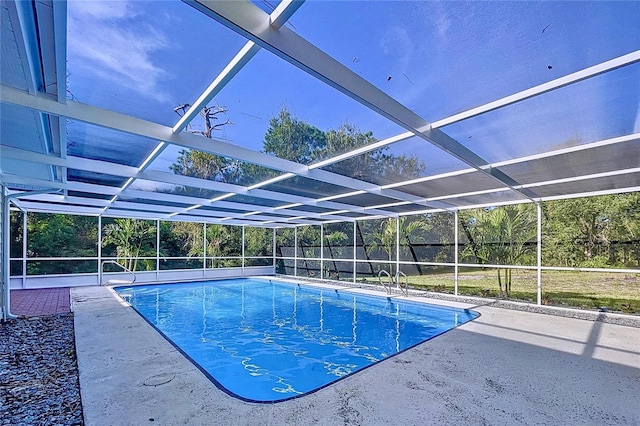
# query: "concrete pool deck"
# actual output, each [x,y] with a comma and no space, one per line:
[505,367]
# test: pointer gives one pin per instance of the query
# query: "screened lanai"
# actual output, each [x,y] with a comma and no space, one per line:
[297,116]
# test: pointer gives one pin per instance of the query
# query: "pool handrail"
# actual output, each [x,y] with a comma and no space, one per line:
[406,282]
[387,286]
[121,266]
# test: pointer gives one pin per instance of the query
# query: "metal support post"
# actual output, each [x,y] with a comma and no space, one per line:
[455,245]
[99,248]
[274,250]
[398,248]
[355,253]
[539,208]
[204,249]
[321,251]
[243,263]
[157,250]
[24,250]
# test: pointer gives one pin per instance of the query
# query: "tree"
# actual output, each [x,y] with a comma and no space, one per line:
[376,166]
[582,223]
[61,235]
[15,231]
[502,235]
[292,139]
[600,231]
[132,239]
[382,236]
[415,228]
[208,114]
[441,236]
[258,242]
[285,247]
[205,165]
[217,237]
[334,241]
[625,231]
[181,238]
[308,248]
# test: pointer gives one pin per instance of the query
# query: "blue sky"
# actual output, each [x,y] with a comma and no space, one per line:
[439,58]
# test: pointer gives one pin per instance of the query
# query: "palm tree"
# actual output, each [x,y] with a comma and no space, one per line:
[131,237]
[384,235]
[502,236]
[334,239]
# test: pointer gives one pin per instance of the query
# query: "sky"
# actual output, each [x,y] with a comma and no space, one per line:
[146,57]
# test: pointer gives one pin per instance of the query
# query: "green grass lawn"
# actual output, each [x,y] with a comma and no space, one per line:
[586,290]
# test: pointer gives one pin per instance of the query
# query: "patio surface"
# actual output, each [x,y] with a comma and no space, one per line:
[506,367]
[36,302]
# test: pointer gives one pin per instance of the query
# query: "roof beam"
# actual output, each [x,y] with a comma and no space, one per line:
[584,74]
[245,54]
[121,170]
[229,221]
[203,184]
[53,198]
[568,79]
[85,187]
[577,148]
[283,12]
[203,214]
[277,18]
[158,196]
[60,43]
[128,124]
[124,123]
[128,205]
[24,26]
[593,193]
[132,210]
[35,205]
[584,177]
[38,207]
[251,22]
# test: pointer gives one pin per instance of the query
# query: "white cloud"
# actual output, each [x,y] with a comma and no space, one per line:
[112,41]
[102,9]
[442,24]
[397,43]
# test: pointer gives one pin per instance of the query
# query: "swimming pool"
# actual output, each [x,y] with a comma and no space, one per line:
[262,340]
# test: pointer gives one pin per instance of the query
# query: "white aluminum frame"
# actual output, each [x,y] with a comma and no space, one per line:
[266,31]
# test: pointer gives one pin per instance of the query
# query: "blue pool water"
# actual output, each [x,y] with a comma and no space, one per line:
[263,340]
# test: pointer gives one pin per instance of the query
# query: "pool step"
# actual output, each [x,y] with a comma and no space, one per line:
[118,282]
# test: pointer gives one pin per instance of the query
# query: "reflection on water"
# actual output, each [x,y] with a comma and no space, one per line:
[269,341]
[397,328]
[321,313]
[204,316]
[354,322]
